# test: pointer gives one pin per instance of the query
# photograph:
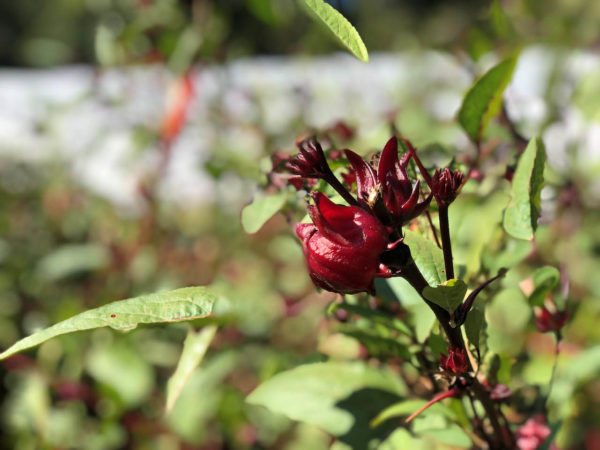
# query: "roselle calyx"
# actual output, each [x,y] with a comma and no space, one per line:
[546,320]
[390,184]
[310,161]
[342,246]
[445,185]
[455,363]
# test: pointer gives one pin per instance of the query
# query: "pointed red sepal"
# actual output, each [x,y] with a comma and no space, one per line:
[366,179]
[454,392]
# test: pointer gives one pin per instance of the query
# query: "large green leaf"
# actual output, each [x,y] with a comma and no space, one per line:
[399,290]
[340,27]
[340,397]
[257,213]
[523,211]
[175,306]
[484,98]
[448,295]
[428,257]
[194,348]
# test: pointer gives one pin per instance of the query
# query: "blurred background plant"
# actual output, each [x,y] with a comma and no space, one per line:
[133,132]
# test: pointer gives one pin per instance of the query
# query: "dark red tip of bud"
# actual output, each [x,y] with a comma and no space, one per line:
[445,185]
[533,433]
[455,363]
[546,321]
[399,195]
[310,161]
[342,246]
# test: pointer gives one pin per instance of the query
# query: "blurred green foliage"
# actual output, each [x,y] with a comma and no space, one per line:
[65,249]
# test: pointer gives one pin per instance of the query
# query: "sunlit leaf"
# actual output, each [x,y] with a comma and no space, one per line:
[428,257]
[175,306]
[523,211]
[448,295]
[194,348]
[341,398]
[257,213]
[484,98]
[340,27]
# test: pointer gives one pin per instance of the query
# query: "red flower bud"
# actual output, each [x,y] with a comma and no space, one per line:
[445,185]
[391,180]
[399,196]
[532,434]
[310,161]
[455,363]
[342,247]
[549,321]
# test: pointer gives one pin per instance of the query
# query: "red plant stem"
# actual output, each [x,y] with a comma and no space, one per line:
[446,244]
[438,397]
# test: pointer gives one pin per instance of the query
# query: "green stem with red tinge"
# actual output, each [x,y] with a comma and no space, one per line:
[454,392]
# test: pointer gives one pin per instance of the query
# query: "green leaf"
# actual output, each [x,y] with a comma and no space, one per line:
[194,348]
[423,320]
[257,213]
[399,290]
[406,407]
[133,382]
[448,295]
[340,27]
[377,346]
[474,323]
[523,211]
[544,280]
[72,259]
[484,98]
[373,315]
[340,397]
[451,435]
[175,306]
[428,257]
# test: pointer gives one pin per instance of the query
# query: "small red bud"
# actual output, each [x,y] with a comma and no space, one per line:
[455,363]
[445,185]
[546,321]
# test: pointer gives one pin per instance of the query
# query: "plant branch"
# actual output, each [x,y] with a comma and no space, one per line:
[446,244]
[501,440]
